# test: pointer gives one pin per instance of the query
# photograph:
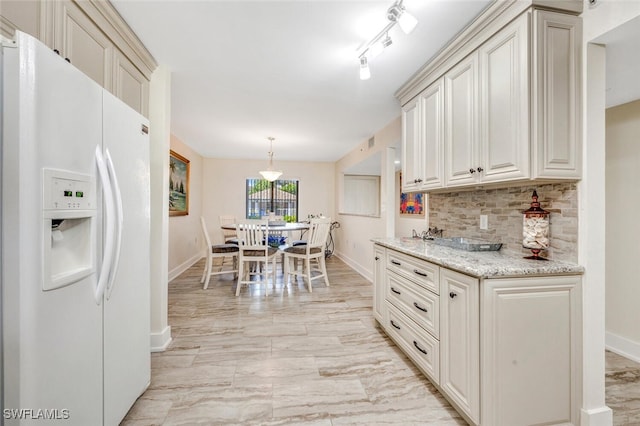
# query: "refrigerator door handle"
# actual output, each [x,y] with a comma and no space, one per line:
[117,195]
[107,256]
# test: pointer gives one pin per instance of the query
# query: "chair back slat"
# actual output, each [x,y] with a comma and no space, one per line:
[253,234]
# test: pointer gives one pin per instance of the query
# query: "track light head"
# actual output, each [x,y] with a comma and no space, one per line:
[365,72]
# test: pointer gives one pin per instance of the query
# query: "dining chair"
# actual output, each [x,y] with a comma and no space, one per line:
[313,250]
[255,254]
[218,251]
[228,235]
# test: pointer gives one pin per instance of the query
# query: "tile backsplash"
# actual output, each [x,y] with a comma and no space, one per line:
[458,213]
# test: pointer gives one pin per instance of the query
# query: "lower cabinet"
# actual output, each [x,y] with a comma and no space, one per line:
[460,341]
[531,340]
[378,277]
[503,351]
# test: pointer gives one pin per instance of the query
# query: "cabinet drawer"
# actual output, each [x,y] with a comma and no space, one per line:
[421,347]
[419,271]
[417,303]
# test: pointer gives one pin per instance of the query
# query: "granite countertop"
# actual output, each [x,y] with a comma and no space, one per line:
[481,264]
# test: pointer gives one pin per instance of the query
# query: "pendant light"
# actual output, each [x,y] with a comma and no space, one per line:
[270,174]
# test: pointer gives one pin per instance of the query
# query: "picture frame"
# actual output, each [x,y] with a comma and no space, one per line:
[178,184]
[411,204]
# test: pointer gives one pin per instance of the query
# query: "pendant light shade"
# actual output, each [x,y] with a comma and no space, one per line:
[270,174]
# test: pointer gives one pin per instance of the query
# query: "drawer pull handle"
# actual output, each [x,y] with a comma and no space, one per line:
[394,324]
[422,274]
[419,348]
[395,291]
[452,295]
[395,262]
[419,307]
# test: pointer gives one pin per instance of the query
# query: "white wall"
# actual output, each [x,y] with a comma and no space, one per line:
[159,119]
[597,20]
[185,234]
[353,238]
[623,229]
[224,188]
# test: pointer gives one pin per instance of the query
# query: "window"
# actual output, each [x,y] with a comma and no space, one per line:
[280,197]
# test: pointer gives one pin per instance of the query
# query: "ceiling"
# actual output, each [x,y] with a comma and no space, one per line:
[246,70]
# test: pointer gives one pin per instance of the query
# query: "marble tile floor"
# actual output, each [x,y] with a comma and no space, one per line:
[300,358]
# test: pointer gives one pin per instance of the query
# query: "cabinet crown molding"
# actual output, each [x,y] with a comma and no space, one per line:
[492,19]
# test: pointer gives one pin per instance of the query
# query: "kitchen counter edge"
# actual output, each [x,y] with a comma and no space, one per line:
[480,264]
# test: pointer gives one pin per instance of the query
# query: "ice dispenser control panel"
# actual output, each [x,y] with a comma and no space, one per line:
[65,190]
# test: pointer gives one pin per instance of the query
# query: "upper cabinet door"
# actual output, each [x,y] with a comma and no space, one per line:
[79,39]
[461,134]
[130,85]
[411,147]
[504,100]
[556,87]
[433,135]
[25,16]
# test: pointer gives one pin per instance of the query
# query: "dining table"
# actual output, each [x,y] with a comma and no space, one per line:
[275,229]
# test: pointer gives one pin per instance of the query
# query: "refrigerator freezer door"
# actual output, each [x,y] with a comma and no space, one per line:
[52,339]
[127,304]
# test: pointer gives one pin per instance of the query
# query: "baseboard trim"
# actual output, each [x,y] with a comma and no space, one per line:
[160,341]
[175,272]
[602,416]
[366,273]
[622,346]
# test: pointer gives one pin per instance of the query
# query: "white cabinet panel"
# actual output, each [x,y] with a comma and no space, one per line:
[379,282]
[411,147]
[556,89]
[531,341]
[504,112]
[130,85]
[433,136]
[461,118]
[460,342]
[78,39]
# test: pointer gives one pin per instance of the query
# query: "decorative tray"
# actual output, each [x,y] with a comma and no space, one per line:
[467,244]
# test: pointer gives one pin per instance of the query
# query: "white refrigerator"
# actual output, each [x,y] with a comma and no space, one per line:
[75,244]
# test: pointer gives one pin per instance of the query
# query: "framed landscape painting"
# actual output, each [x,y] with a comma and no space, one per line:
[178,184]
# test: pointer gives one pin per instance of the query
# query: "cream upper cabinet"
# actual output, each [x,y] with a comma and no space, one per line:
[504,104]
[556,88]
[462,164]
[423,139]
[25,16]
[90,35]
[411,147]
[460,342]
[130,85]
[432,132]
[511,106]
[78,39]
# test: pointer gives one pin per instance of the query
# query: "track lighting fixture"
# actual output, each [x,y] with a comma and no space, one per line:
[365,72]
[396,14]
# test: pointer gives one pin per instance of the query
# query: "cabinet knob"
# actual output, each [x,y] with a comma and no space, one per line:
[472,171]
[480,169]
[67,59]
[452,295]
[418,180]
[56,51]
[377,258]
